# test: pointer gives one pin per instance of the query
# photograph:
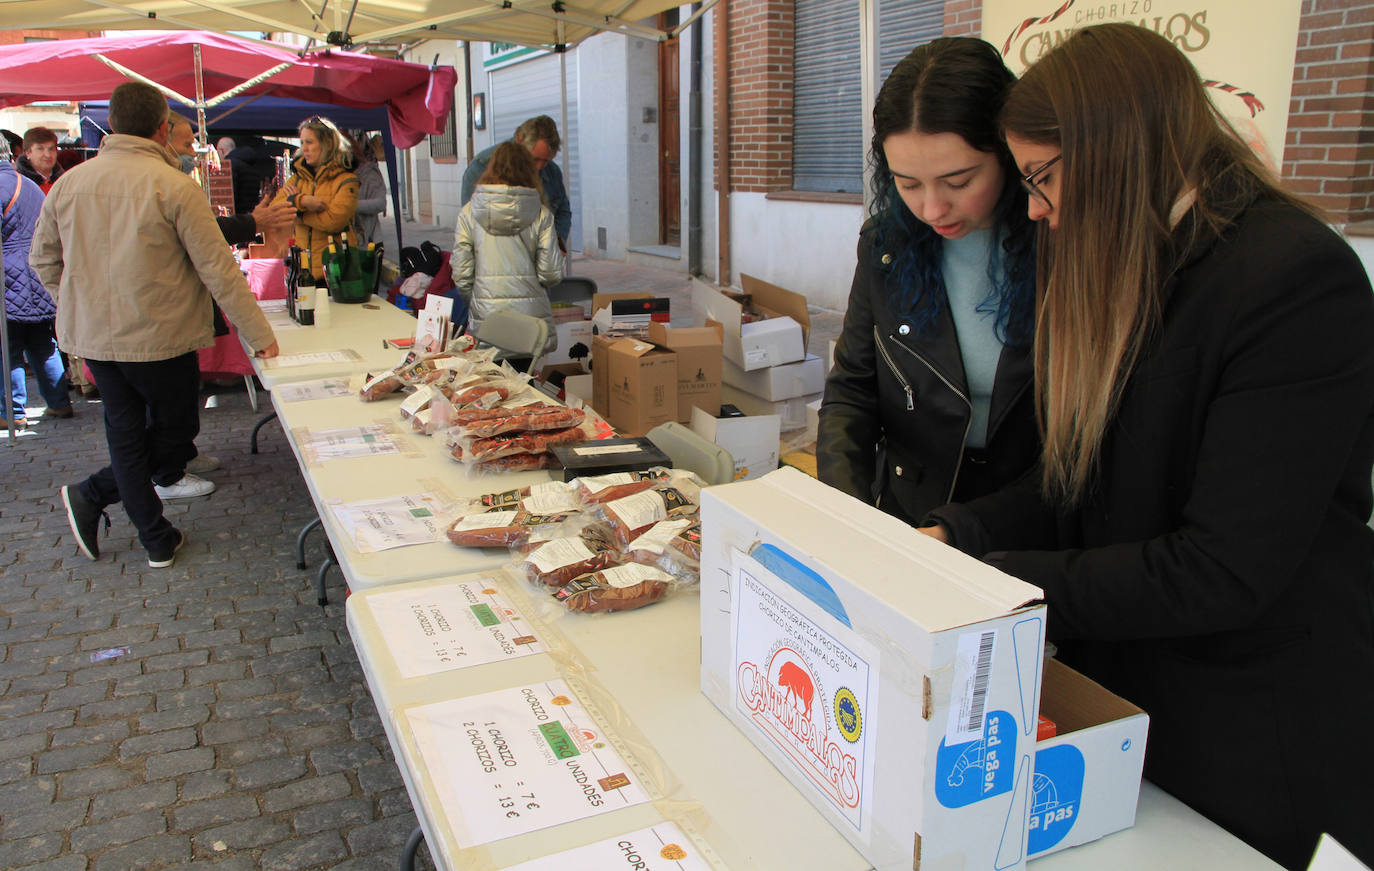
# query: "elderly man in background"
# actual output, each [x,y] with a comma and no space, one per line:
[540,135]
[128,247]
[39,160]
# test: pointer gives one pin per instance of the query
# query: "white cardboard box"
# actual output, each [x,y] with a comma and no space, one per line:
[771,342]
[791,411]
[751,441]
[787,381]
[835,636]
[1087,777]
[813,419]
[574,344]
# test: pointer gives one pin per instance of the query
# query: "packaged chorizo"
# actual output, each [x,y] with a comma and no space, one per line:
[672,545]
[500,528]
[596,489]
[472,450]
[632,516]
[621,588]
[527,418]
[559,560]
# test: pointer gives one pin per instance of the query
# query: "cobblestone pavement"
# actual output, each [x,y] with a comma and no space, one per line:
[206,714]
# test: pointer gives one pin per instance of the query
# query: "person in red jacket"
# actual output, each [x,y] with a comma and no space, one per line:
[39,160]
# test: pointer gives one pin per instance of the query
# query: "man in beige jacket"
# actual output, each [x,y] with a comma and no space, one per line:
[128,247]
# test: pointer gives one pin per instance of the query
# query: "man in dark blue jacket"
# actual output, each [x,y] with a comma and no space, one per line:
[540,135]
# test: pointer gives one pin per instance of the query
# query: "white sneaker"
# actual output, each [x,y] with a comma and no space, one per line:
[189,487]
[200,464]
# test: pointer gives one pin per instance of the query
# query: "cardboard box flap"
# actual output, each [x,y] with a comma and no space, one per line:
[633,347]
[716,307]
[686,337]
[953,589]
[780,301]
[603,300]
[1074,701]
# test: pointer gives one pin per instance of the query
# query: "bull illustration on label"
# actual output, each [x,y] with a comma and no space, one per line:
[798,684]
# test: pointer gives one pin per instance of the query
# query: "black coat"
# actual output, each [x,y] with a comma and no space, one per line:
[1219,573]
[896,410]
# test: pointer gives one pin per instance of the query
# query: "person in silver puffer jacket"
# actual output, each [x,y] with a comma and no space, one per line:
[505,249]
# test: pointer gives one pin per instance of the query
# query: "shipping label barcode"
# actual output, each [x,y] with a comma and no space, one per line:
[972,682]
[980,682]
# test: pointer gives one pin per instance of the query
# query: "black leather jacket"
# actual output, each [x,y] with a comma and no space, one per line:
[900,401]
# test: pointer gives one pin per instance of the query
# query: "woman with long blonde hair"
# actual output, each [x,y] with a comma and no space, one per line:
[324,188]
[1204,361]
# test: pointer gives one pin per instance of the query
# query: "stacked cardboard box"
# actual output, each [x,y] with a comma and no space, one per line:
[638,384]
[766,329]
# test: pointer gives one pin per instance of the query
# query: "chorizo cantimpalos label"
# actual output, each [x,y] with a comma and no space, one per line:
[808,685]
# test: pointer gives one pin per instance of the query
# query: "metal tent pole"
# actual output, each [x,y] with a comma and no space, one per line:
[5,344]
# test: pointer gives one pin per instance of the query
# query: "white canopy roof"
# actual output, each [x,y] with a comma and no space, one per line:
[546,23]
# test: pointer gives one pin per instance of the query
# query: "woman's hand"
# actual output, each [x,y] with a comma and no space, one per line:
[937,532]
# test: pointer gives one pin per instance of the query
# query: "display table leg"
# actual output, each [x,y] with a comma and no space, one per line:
[412,846]
[300,542]
[320,596]
[260,424]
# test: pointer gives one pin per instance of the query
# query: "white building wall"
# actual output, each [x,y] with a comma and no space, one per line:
[602,97]
[803,246]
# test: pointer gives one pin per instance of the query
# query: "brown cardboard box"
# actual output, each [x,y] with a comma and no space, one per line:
[698,352]
[639,390]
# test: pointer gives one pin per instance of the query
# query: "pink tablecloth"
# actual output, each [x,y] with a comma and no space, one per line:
[267,280]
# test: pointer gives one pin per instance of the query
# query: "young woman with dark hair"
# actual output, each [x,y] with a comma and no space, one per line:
[1205,372]
[930,396]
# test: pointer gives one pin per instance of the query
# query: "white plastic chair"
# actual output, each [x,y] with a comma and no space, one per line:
[688,450]
[516,334]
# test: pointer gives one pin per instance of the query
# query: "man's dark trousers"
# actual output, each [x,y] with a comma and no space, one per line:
[151,420]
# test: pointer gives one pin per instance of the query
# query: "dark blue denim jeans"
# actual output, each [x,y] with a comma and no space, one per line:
[152,417]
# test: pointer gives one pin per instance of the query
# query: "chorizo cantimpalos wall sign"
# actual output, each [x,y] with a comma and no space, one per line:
[1243,50]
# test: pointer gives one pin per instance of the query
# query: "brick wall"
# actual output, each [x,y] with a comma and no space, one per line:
[1329,155]
[760,58]
[963,18]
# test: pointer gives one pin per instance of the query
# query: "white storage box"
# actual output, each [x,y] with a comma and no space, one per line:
[835,636]
[791,411]
[787,381]
[779,338]
[751,441]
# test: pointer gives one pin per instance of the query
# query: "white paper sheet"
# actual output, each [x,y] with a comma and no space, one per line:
[321,388]
[451,626]
[516,760]
[392,521]
[353,441]
[312,358]
[663,846]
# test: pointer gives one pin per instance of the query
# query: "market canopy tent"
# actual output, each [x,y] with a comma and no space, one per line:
[418,99]
[543,23]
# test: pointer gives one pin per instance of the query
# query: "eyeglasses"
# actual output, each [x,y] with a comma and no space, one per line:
[1028,181]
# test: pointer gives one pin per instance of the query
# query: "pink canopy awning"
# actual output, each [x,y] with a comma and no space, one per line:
[418,99]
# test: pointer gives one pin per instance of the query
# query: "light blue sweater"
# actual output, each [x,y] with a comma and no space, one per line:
[964,264]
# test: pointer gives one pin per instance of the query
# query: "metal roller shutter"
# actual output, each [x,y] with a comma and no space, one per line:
[828,148]
[903,25]
[530,88]
[827,128]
